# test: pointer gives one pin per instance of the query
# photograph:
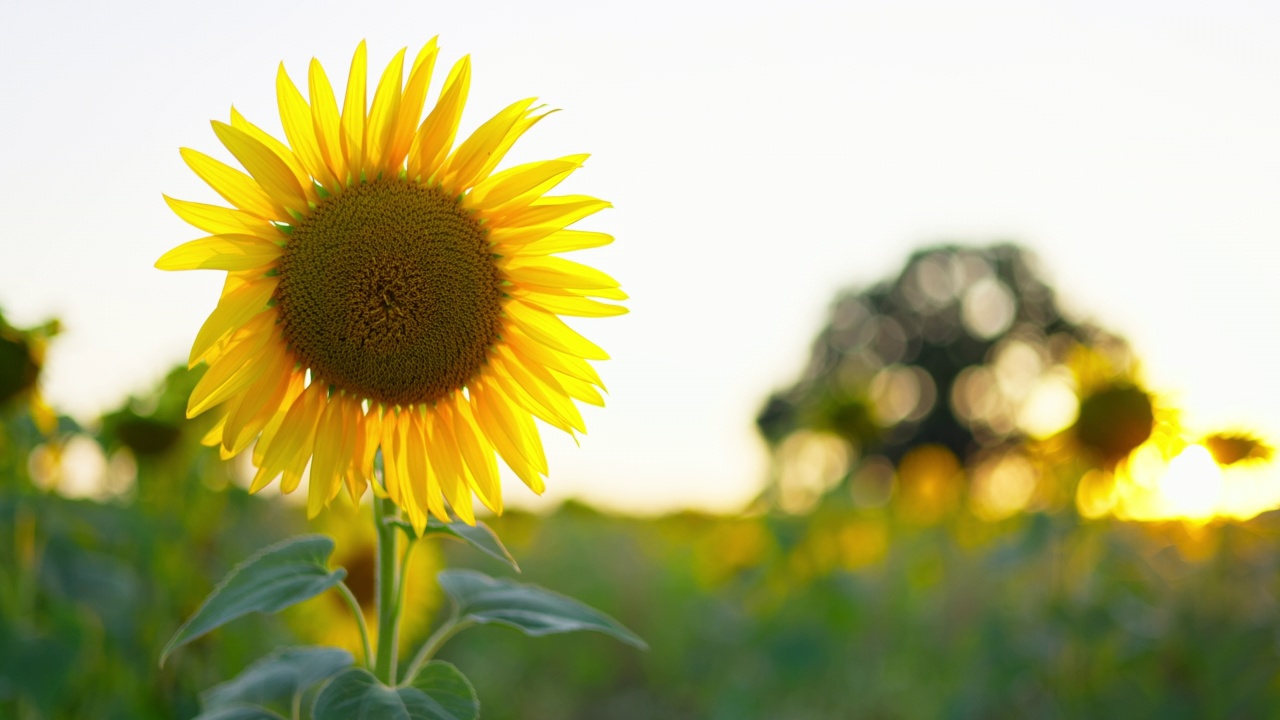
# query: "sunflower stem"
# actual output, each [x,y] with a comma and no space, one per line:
[451,627]
[354,604]
[388,590]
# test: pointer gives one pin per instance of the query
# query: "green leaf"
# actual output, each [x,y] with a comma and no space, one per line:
[479,536]
[239,712]
[446,685]
[357,695]
[530,609]
[278,676]
[277,577]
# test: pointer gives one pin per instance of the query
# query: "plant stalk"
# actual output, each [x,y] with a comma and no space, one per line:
[388,581]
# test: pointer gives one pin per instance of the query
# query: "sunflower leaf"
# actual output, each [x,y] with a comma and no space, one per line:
[479,536]
[278,676]
[530,609]
[439,693]
[277,577]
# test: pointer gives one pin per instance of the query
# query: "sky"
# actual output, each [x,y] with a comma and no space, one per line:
[760,157]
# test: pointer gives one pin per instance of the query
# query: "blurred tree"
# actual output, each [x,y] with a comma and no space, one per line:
[965,350]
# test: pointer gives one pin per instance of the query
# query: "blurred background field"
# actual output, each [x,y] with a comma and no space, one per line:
[973,484]
[974,507]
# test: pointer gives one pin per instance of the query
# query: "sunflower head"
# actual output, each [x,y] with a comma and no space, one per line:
[388,292]
[21,362]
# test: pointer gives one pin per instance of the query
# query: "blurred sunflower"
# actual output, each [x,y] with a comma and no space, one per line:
[21,362]
[386,292]
[326,619]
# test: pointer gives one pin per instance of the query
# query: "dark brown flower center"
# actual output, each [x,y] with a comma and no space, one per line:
[388,291]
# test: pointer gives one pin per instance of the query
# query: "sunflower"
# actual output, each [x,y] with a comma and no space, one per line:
[387,291]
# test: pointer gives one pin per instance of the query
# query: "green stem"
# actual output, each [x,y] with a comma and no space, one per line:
[355,610]
[388,590]
[451,627]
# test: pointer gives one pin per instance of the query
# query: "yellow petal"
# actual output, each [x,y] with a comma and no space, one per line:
[500,192]
[551,331]
[220,220]
[509,431]
[425,490]
[547,401]
[330,438]
[448,465]
[265,166]
[292,442]
[234,309]
[260,403]
[477,453]
[280,150]
[559,212]
[353,115]
[373,435]
[325,121]
[555,272]
[574,306]
[565,241]
[221,252]
[464,167]
[294,390]
[238,367]
[382,115]
[435,136]
[531,351]
[295,116]
[579,390]
[391,470]
[234,186]
[415,94]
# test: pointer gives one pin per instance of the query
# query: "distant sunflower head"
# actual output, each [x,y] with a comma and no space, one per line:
[388,291]
[1229,448]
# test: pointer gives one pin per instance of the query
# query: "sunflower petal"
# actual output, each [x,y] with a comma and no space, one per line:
[279,149]
[383,114]
[477,453]
[551,331]
[220,220]
[235,369]
[260,404]
[510,434]
[530,350]
[499,192]
[574,306]
[221,252]
[415,95]
[435,136]
[559,211]
[330,434]
[556,272]
[233,310]
[293,443]
[353,114]
[297,385]
[464,167]
[234,186]
[326,122]
[296,117]
[265,166]
[449,467]
[565,241]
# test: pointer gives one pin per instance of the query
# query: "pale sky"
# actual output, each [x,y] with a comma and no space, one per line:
[760,157]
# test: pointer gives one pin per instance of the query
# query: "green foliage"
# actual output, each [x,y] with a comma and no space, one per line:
[278,577]
[480,536]
[480,599]
[280,676]
[438,693]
